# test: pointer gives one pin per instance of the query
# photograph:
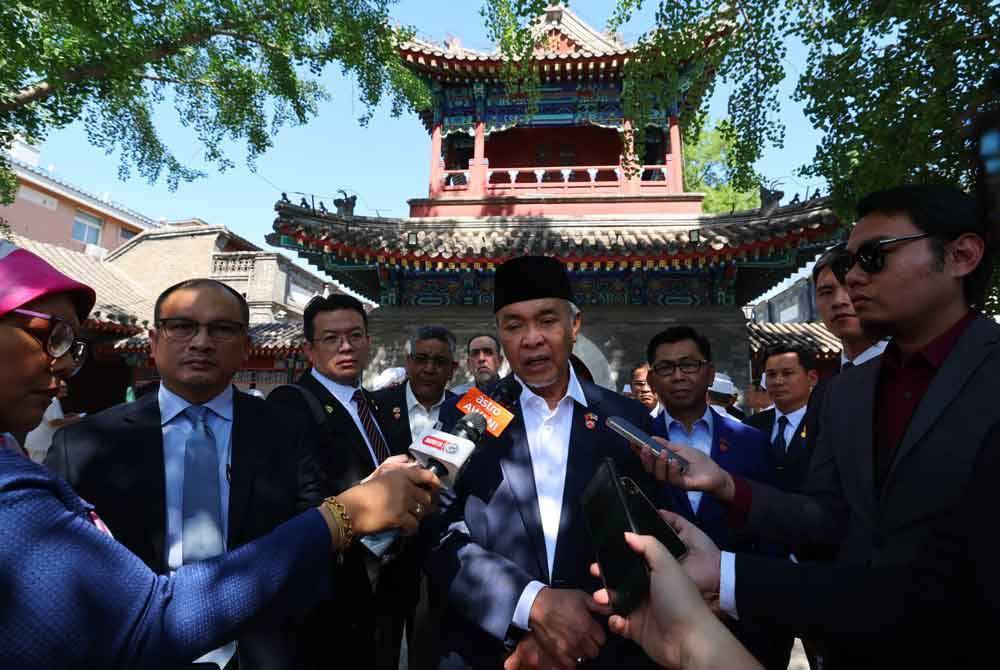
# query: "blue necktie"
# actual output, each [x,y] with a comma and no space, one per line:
[201,536]
[201,533]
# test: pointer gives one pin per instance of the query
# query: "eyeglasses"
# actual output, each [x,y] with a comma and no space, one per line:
[870,256]
[183,330]
[667,368]
[640,384]
[58,337]
[336,340]
[436,361]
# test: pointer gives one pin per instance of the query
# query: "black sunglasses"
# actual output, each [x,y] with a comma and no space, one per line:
[870,256]
[57,338]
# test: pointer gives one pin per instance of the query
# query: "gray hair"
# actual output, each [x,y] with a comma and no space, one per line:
[439,333]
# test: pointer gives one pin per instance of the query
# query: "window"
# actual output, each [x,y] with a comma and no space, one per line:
[127,234]
[87,228]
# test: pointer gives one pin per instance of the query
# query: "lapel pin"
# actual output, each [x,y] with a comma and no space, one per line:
[329,410]
[723,445]
[396,413]
[803,433]
[590,420]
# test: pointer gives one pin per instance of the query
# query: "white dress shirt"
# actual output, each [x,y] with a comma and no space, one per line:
[871,352]
[794,419]
[176,427]
[345,396]
[699,438]
[421,418]
[548,441]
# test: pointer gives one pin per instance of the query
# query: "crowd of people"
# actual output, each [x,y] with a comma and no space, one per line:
[200,526]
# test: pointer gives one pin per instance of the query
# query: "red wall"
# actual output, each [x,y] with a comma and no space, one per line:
[519,147]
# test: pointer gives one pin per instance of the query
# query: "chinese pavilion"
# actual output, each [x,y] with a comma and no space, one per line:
[507,181]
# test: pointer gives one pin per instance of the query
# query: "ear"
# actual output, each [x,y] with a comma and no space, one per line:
[577,322]
[964,254]
[813,377]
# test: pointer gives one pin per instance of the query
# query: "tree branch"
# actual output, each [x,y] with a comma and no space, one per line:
[101,69]
[173,80]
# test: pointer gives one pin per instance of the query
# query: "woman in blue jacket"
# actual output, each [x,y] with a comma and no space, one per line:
[70,595]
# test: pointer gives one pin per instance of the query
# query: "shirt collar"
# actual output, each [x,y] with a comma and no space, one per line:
[706,418]
[934,353]
[794,418]
[342,392]
[411,399]
[574,391]
[871,352]
[172,404]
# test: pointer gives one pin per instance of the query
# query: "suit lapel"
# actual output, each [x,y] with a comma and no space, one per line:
[145,437]
[520,477]
[245,461]
[581,464]
[400,425]
[858,409]
[969,353]
[340,423]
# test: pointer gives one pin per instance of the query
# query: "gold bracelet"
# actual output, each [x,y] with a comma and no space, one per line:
[343,521]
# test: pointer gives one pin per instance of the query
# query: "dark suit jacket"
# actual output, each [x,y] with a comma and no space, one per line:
[114,460]
[790,472]
[396,424]
[73,598]
[881,532]
[485,570]
[344,457]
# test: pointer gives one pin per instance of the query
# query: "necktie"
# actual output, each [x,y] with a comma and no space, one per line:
[779,447]
[375,438]
[846,366]
[201,533]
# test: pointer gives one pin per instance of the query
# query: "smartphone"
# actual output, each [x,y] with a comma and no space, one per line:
[612,506]
[637,436]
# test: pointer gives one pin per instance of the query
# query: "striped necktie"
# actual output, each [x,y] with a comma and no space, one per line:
[374,435]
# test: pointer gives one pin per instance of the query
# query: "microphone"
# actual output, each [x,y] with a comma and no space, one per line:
[443,453]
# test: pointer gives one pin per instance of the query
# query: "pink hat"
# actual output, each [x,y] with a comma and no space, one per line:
[25,277]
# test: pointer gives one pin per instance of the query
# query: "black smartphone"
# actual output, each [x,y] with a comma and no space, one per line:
[612,506]
[639,437]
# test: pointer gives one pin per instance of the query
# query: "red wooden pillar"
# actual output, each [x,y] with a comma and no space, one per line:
[437,164]
[478,164]
[675,158]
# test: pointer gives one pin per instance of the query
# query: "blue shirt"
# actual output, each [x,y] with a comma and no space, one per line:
[699,438]
[176,427]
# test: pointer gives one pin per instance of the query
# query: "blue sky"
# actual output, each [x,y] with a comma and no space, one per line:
[385,163]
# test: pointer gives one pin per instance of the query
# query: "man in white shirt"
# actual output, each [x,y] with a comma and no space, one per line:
[483,361]
[514,560]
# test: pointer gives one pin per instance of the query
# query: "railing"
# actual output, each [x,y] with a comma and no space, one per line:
[568,180]
[228,264]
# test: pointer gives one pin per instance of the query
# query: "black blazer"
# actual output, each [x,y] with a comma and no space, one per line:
[114,460]
[876,533]
[790,472]
[345,459]
[392,416]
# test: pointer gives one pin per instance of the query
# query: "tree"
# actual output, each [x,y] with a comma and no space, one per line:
[885,81]
[706,169]
[233,71]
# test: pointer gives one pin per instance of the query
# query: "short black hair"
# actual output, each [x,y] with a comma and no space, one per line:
[806,357]
[946,213]
[330,303]
[637,366]
[679,334]
[825,260]
[203,282]
[468,345]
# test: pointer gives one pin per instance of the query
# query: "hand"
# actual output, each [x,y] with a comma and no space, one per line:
[561,621]
[702,473]
[702,562]
[673,625]
[398,498]
[392,463]
[529,655]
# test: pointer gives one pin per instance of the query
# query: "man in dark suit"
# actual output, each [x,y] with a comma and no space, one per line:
[885,486]
[199,467]
[681,371]
[790,372]
[351,447]
[514,561]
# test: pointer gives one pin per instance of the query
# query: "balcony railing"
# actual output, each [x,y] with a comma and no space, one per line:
[564,180]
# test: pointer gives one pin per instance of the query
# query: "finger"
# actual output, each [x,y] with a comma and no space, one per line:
[409,524]
[512,662]
[661,467]
[418,496]
[676,521]
[601,596]
[423,477]
[618,625]
[591,643]
[647,458]
[599,607]
[663,443]
[595,570]
[649,548]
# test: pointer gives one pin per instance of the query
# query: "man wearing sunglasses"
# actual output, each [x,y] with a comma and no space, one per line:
[891,482]
[199,467]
